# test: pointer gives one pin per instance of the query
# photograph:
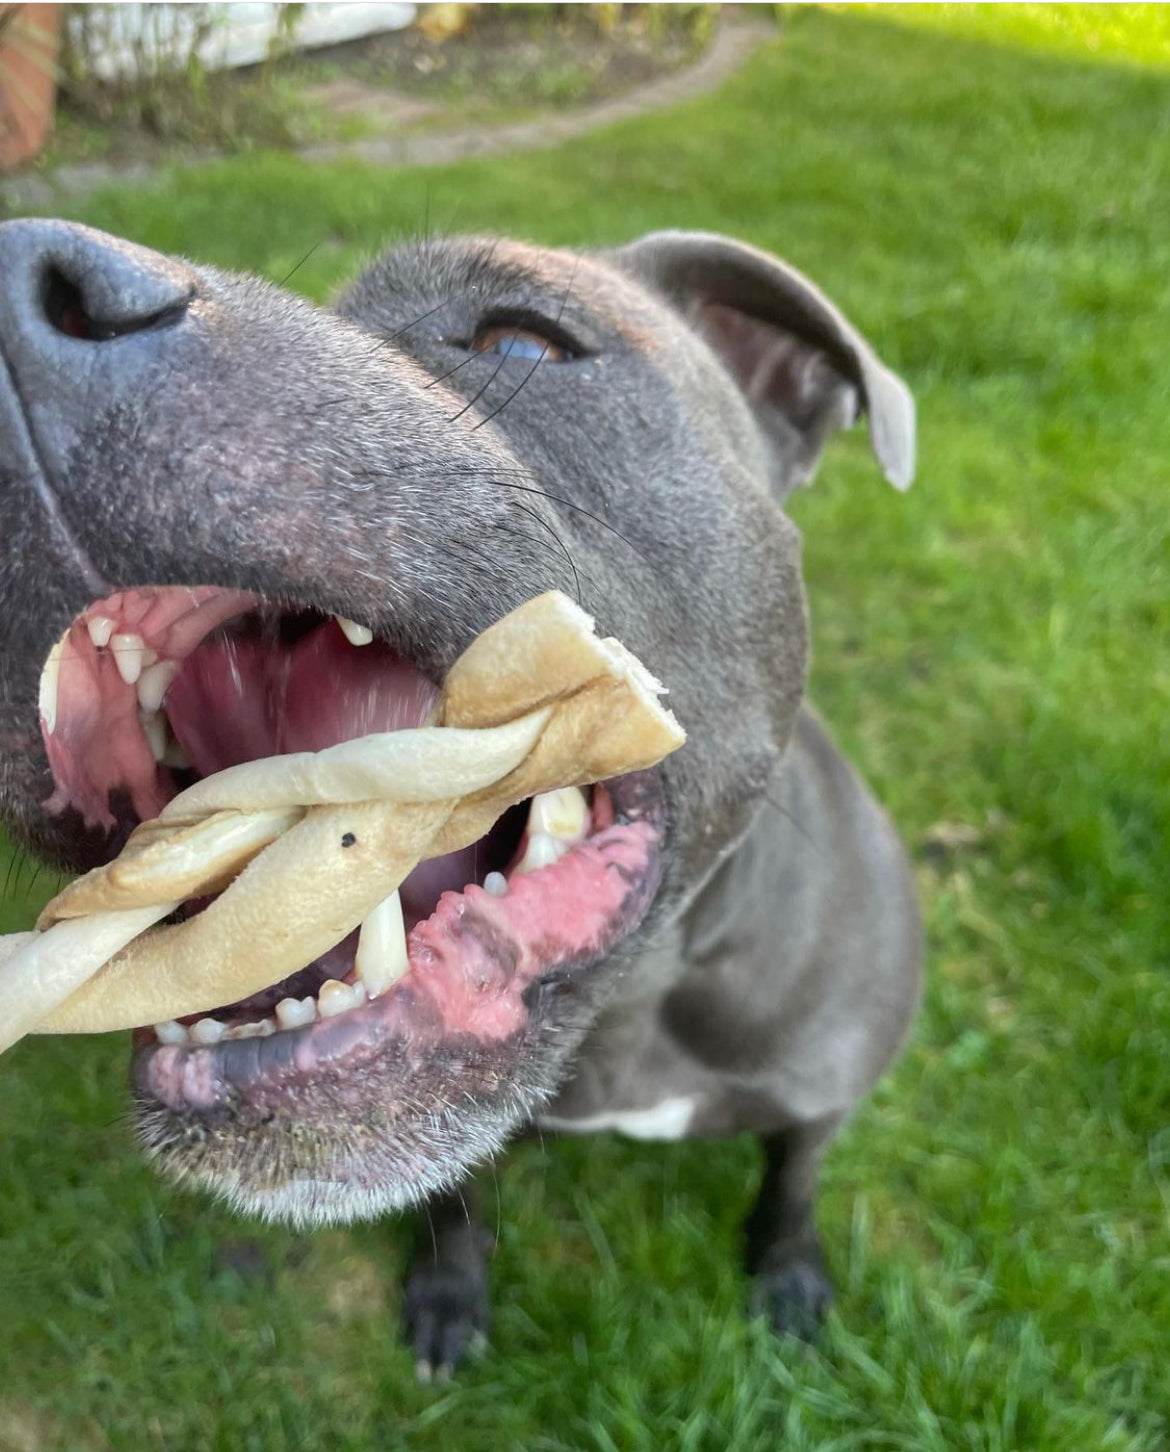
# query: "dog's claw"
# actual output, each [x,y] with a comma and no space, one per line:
[794,1299]
[445,1318]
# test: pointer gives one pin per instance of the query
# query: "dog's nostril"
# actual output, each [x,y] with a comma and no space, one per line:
[66,310]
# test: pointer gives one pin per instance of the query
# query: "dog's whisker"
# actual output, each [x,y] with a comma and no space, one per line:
[495,413]
[787,815]
[544,524]
[292,272]
[450,373]
[491,378]
[487,418]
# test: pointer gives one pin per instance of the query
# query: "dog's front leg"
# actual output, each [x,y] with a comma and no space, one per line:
[446,1298]
[790,1283]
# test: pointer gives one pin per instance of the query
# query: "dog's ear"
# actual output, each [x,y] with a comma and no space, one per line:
[803,367]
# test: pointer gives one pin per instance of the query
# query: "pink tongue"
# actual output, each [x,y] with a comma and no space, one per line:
[239,700]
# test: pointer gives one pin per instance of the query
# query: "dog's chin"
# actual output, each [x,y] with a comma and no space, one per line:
[352,1087]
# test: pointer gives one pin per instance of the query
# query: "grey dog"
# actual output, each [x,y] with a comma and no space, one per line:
[227,479]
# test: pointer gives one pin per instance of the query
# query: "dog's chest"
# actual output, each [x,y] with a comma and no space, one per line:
[670,1118]
[631,1075]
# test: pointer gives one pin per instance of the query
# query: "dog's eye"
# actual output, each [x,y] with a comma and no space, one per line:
[509,341]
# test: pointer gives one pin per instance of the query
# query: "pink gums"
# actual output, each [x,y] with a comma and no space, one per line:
[470,964]
[98,743]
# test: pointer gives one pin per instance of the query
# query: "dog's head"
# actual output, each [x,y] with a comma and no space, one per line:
[285,523]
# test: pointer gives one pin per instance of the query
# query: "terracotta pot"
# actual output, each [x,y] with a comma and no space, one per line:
[29,41]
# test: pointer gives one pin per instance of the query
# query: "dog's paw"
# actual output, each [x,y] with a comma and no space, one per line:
[793,1298]
[445,1316]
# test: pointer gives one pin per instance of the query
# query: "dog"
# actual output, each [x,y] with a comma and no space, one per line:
[304,516]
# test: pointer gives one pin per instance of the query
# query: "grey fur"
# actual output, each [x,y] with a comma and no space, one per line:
[363,461]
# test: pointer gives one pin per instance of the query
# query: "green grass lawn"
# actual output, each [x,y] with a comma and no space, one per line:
[992,649]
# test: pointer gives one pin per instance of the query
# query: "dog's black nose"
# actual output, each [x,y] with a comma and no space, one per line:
[58,279]
[86,323]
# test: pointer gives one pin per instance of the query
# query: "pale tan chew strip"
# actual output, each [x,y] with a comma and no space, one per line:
[40,970]
[293,915]
[282,911]
[270,789]
[305,892]
[192,859]
[51,965]
[418,765]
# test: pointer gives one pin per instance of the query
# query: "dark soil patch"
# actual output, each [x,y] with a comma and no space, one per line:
[514,60]
[508,64]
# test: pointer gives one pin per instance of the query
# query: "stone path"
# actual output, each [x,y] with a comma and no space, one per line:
[732,46]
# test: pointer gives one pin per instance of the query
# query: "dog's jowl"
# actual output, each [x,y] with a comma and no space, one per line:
[274,527]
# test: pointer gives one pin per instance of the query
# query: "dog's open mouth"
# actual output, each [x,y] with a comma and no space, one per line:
[152,690]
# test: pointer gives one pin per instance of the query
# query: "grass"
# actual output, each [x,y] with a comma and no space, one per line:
[991,649]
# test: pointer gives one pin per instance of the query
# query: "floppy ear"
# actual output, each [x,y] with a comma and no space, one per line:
[801,365]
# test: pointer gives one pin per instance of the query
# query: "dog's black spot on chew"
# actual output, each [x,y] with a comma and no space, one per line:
[348,840]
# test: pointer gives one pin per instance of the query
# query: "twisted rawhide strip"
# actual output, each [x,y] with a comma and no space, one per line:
[537,702]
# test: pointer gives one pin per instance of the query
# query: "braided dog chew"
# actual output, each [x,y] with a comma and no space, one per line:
[537,702]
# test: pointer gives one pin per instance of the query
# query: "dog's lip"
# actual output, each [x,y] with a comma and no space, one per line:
[474,965]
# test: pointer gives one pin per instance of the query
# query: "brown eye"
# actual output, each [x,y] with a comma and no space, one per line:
[511,342]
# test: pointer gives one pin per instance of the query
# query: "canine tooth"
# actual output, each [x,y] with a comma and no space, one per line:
[293,1012]
[562,814]
[154,728]
[208,1031]
[100,628]
[154,682]
[170,1032]
[496,884]
[50,677]
[381,957]
[542,851]
[335,997]
[128,653]
[356,634]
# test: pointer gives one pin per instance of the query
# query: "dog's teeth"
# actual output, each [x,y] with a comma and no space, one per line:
[129,651]
[293,1012]
[50,678]
[542,851]
[382,958]
[336,997]
[100,628]
[154,728]
[258,1030]
[562,814]
[154,682]
[496,884]
[356,634]
[208,1031]
[170,1032]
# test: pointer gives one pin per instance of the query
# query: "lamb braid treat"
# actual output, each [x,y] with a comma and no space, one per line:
[302,848]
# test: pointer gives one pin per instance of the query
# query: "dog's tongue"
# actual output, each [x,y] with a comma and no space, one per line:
[242,700]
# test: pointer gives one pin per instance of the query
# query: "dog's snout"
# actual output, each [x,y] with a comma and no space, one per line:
[66,281]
